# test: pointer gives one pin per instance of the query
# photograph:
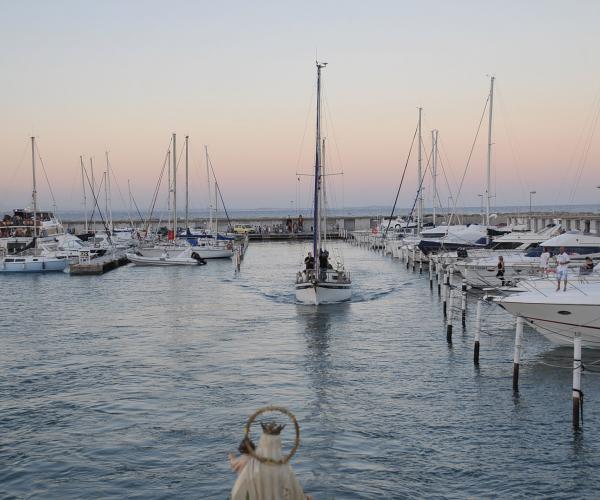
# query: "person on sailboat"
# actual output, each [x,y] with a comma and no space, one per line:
[562,269]
[309,261]
[323,263]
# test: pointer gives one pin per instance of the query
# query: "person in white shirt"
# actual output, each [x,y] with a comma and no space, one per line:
[544,258]
[562,271]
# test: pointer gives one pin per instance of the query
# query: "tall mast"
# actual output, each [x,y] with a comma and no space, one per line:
[169,184]
[216,211]
[419,180]
[130,207]
[187,197]
[109,195]
[488,193]
[93,193]
[323,193]
[34,192]
[84,196]
[434,151]
[105,177]
[316,214]
[174,186]
[210,208]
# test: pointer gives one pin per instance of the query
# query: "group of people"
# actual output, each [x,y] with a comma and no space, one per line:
[562,267]
[324,264]
[294,226]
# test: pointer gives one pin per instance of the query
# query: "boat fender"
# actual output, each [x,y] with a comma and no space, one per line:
[229,245]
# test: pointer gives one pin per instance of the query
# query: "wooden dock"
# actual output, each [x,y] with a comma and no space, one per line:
[99,265]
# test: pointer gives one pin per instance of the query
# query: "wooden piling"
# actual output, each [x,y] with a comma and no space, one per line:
[517,357]
[477,333]
[463,302]
[449,320]
[577,394]
[445,296]
[430,274]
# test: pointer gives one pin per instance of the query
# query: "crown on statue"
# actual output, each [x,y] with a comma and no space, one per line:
[272,428]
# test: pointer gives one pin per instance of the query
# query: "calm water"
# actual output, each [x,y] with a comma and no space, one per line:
[137,383]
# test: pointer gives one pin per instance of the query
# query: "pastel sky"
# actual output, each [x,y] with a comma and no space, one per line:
[121,76]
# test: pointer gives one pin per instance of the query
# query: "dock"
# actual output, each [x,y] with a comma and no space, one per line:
[99,265]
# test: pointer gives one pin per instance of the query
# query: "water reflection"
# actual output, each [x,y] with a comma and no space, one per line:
[319,335]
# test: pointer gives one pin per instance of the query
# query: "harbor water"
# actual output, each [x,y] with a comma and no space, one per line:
[137,383]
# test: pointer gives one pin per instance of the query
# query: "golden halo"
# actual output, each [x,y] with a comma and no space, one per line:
[291,416]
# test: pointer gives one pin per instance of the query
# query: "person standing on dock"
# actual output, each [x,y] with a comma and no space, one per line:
[544,259]
[562,269]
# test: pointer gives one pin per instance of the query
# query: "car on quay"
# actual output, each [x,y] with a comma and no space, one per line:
[244,229]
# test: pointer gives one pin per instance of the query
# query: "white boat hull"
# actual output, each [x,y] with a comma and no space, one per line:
[32,265]
[213,252]
[140,260]
[559,320]
[323,293]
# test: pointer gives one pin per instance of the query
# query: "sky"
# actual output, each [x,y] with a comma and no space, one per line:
[86,78]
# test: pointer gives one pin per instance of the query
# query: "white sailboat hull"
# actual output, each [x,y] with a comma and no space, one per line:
[323,293]
[139,260]
[213,252]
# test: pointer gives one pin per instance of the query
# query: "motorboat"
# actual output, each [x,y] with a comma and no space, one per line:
[560,315]
[184,258]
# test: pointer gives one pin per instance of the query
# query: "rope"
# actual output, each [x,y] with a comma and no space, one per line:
[401,182]
[468,163]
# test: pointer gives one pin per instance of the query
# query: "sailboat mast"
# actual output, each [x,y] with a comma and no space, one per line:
[84,195]
[210,214]
[216,211]
[93,193]
[187,196]
[419,179]
[316,214]
[489,156]
[434,137]
[323,194]
[130,207]
[109,195]
[105,177]
[34,192]
[174,186]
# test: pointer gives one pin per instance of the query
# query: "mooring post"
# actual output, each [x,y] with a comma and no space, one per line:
[477,333]
[420,261]
[517,360]
[577,394]
[449,322]
[439,278]
[430,274]
[444,296]
[414,253]
[463,302]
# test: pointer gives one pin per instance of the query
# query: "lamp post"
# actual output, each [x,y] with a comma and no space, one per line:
[531,193]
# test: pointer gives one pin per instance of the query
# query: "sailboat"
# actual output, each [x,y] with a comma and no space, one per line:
[320,282]
[32,261]
[212,247]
